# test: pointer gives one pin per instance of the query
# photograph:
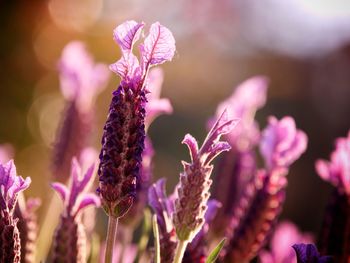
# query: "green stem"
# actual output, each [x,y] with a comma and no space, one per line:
[111,234]
[180,251]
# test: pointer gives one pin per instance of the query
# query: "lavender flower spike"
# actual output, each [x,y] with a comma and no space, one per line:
[70,241]
[337,171]
[81,80]
[307,253]
[10,186]
[282,143]
[193,191]
[124,131]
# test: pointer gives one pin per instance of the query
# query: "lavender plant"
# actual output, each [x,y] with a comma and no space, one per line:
[247,199]
[11,185]
[124,131]
[70,237]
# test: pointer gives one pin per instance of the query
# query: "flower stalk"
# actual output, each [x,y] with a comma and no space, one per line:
[111,235]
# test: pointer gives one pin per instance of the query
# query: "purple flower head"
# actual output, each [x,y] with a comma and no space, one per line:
[337,171]
[10,185]
[75,198]
[163,207]
[81,79]
[285,235]
[282,143]
[156,105]
[307,253]
[246,99]
[124,131]
[193,190]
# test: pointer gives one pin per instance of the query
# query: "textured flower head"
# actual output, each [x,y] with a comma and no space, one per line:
[246,99]
[307,253]
[282,143]
[10,185]
[158,47]
[285,235]
[193,190]
[75,198]
[156,105]
[81,79]
[337,171]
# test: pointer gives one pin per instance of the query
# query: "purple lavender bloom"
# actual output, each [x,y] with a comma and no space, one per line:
[10,186]
[163,207]
[193,190]
[237,166]
[285,235]
[124,131]
[70,240]
[255,215]
[281,143]
[246,99]
[337,171]
[307,253]
[335,230]
[81,80]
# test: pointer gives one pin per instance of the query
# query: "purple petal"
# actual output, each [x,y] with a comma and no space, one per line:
[87,200]
[192,145]
[307,253]
[126,67]
[6,152]
[61,190]
[127,34]
[216,149]
[158,47]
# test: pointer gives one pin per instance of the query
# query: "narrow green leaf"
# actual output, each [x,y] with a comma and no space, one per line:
[156,240]
[215,252]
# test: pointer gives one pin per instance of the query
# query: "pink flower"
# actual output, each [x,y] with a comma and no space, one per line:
[281,251]
[246,99]
[281,143]
[81,79]
[337,171]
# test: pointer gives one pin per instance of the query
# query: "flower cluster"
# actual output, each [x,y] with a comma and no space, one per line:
[235,220]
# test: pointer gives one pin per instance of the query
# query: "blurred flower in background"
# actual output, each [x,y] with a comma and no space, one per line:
[303,47]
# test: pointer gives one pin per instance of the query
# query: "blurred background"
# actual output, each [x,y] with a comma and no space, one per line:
[303,47]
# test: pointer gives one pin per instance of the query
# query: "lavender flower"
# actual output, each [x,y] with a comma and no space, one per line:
[81,80]
[237,166]
[285,235]
[337,171]
[124,131]
[336,225]
[154,108]
[6,152]
[27,226]
[282,143]
[262,202]
[70,241]
[307,253]
[163,207]
[10,186]
[193,190]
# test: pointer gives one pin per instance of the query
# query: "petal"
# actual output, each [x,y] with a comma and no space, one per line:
[192,145]
[87,200]
[127,34]
[61,190]
[158,47]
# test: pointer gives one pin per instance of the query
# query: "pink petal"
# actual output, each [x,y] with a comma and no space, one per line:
[61,190]
[158,47]
[88,199]
[192,145]
[126,67]
[127,34]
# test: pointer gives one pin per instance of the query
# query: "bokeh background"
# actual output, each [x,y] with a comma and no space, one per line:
[303,47]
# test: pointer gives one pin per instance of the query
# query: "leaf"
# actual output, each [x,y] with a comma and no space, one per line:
[215,252]
[127,34]
[156,240]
